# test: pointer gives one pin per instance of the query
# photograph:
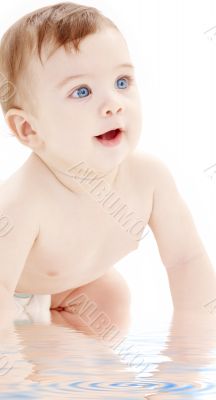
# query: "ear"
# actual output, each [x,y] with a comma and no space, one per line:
[22,126]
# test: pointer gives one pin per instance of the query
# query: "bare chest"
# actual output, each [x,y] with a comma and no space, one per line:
[79,240]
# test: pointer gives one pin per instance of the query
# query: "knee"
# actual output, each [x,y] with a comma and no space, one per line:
[110,291]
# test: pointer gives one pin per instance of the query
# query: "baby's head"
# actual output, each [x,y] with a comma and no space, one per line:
[54,115]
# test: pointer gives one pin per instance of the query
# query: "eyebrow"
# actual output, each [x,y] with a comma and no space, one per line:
[72,77]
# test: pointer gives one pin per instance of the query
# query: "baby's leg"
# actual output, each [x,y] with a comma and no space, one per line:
[108,296]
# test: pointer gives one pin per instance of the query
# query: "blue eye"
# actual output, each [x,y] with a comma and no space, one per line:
[121,79]
[82,90]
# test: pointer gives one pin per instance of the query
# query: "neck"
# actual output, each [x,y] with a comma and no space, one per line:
[80,178]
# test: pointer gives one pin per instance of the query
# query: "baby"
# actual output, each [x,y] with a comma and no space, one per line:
[83,198]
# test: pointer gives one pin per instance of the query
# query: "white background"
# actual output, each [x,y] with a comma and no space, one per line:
[173,46]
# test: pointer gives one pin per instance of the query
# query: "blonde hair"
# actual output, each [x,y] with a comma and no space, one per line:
[63,24]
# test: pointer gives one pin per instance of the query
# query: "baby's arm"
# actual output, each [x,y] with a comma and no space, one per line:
[191,276]
[18,231]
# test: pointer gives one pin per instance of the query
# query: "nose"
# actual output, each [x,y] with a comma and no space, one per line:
[111,107]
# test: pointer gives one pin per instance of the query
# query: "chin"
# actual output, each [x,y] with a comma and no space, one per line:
[108,164]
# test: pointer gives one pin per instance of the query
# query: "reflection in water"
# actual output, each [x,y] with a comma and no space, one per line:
[59,361]
[72,358]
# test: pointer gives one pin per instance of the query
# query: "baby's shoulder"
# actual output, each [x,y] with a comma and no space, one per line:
[143,166]
[18,205]
[21,187]
[139,180]
[150,173]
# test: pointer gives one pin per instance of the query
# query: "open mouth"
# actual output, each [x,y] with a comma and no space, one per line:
[109,135]
[110,138]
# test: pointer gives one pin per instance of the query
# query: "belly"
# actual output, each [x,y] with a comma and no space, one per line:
[59,267]
[49,281]
[79,242]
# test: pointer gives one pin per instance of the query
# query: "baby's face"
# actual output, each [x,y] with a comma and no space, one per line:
[71,112]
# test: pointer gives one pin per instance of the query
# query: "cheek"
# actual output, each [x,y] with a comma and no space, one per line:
[59,125]
[137,112]
[52,120]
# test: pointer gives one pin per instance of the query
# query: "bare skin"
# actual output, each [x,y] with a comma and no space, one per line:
[63,242]
[64,234]
[70,252]
[72,240]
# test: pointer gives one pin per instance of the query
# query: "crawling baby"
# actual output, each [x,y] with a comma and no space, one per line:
[84,197]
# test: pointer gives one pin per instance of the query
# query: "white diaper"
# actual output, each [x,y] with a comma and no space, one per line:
[33,307]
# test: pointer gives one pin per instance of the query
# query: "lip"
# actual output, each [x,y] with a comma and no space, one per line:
[120,128]
[111,142]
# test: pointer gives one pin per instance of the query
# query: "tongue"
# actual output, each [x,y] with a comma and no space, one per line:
[108,135]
